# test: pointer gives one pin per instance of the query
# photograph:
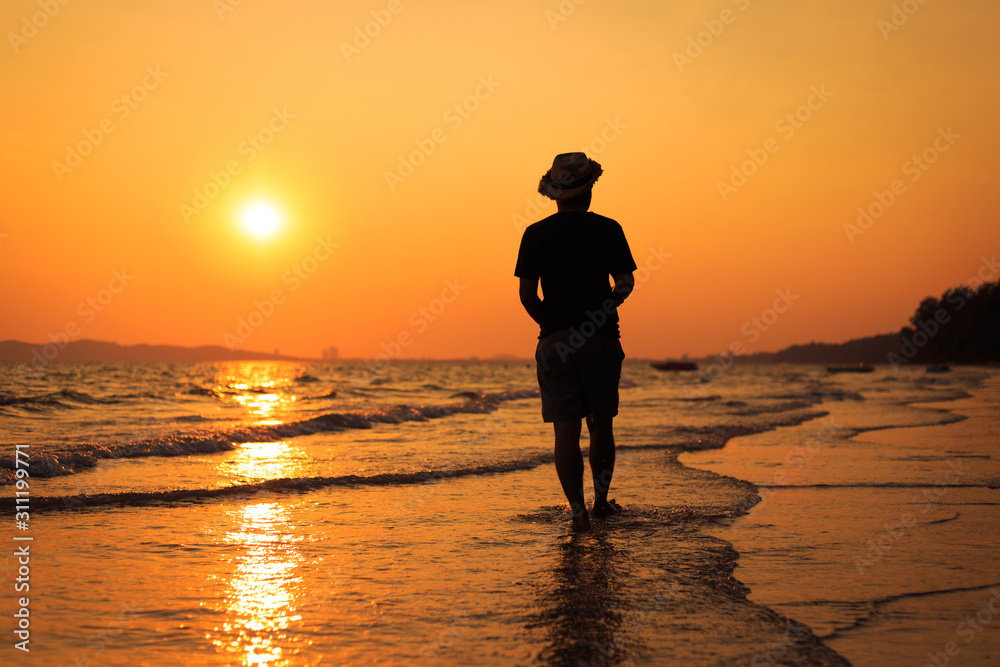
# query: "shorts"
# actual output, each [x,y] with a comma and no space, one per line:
[578,376]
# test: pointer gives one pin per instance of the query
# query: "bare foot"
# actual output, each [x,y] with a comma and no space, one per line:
[581,520]
[606,508]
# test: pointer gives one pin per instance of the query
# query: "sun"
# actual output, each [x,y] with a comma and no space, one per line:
[261,219]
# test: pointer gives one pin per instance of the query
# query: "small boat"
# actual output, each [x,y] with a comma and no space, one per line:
[674,365]
[939,369]
[860,368]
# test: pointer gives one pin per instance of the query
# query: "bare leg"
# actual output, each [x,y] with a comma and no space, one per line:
[569,466]
[602,462]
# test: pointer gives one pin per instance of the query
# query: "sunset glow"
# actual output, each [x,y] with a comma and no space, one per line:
[301,365]
[261,220]
[842,151]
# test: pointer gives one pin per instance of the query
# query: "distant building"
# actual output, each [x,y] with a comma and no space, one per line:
[331,354]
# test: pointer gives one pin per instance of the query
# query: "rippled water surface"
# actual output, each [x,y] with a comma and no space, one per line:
[283,514]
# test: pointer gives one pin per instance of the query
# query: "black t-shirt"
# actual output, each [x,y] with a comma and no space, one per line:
[573,253]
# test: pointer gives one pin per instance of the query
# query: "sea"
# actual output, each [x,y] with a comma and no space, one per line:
[408,513]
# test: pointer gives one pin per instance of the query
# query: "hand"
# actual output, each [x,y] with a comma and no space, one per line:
[623,287]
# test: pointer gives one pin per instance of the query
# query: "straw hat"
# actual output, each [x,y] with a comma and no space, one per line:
[571,174]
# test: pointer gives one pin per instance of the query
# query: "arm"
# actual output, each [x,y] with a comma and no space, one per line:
[624,284]
[528,291]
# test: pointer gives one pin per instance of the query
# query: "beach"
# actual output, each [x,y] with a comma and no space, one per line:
[287,284]
[315,514]
[899,549]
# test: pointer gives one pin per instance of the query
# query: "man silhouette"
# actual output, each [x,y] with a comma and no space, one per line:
[579,356]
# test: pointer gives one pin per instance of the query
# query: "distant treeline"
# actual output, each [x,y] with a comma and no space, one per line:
[870,350]
[963,326]
[60,348]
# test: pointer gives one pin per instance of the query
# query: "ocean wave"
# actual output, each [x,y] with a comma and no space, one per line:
[714,437]
[136,396]
[631,517]
[754,410]
[198,390]
[874,606]
[699,399]
[873,485]
[709,437]
[319,397]
[359,391]
[65,398]
[698,438]
[465,394]
[820,394]
[189,419]
[283,485]
[65,462]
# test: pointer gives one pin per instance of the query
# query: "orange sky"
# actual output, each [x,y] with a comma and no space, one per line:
[360,254]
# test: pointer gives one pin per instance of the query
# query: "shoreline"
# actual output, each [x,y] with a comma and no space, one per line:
[659,580]
[644,579]
[769,573]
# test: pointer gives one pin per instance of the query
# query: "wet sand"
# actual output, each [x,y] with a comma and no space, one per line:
[480,570]
[447,540]
[883,541]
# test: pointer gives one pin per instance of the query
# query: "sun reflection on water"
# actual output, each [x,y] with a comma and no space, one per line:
[264,405]
[265,390]
[258,461]
[260,598]
[263,573]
